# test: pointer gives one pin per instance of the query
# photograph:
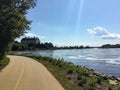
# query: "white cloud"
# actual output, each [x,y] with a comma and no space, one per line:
[111,36]
[91,31]
[41,37]
[58,44]
[33,35]
[29,35]
[103,33]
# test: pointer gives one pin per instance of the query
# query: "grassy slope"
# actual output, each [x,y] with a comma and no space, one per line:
[74,77]
[4,62]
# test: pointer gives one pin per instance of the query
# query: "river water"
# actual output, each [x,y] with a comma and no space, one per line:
[106,61]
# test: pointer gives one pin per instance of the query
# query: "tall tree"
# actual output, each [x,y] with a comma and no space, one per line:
[13,21]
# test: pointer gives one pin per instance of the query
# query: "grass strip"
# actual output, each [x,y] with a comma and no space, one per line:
[4,62]
[74,77]
[57,72]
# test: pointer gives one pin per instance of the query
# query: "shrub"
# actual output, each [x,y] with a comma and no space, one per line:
[110,87]
[82,81]
[91,88]
[92,83]
[79,77]
[69,78]
[60,63]
[70,71]
[99,79]
[83,72]
[105,78]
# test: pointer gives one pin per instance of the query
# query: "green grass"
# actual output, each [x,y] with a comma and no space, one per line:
[4,62]
[74,77]
[55,68]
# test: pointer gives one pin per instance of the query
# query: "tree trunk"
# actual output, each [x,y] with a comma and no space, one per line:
[3,49]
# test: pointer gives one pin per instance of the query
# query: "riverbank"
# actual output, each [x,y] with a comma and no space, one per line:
[106,61]
[73,77]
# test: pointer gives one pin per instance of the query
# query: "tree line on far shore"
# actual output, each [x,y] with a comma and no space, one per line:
[110,46]
[17,46]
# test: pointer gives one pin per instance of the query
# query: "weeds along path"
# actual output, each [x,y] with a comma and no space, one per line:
[24,73]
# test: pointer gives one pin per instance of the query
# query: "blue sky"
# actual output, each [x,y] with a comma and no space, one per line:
[76,22]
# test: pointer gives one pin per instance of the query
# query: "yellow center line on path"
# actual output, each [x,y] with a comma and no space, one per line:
[20,77]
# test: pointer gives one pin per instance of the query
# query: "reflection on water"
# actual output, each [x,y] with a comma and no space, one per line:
[103,60]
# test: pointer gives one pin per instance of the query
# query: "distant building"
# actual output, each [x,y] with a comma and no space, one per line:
[28,40]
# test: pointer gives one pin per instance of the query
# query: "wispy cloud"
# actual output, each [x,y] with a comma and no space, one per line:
[29,35]
[33,35]
[103,33]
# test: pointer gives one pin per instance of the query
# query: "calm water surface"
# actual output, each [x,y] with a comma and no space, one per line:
[106,61]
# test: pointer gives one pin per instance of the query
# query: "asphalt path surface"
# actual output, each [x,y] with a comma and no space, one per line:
[23,73]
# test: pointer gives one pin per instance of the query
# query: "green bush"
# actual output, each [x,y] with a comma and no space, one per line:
[69,78]
[99,79]
[110,87]
[79,77]
[92,83]
[91,88]
[70,71]
[4,62]
[83,72]
[59,63]
[82,81]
